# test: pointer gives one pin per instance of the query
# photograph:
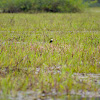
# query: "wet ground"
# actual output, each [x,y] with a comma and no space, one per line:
[53,95]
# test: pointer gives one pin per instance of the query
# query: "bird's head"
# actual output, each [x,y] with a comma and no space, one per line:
[51,40]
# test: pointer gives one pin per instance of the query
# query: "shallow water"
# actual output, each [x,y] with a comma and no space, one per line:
[31,95]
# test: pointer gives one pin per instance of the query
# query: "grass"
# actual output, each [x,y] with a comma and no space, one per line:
[29,62]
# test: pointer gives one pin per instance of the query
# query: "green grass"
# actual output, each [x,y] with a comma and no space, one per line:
[29,62]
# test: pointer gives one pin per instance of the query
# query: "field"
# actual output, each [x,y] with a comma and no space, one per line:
[66,68]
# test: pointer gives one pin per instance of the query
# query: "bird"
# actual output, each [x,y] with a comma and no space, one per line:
[51,40]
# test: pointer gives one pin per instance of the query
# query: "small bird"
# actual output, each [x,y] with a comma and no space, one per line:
[51,41]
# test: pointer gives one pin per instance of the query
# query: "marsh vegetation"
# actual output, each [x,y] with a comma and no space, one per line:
[70,65]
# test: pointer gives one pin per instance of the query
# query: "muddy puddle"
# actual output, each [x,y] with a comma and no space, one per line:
[53,95]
